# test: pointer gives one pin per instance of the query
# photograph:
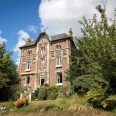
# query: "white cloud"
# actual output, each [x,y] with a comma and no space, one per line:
[58,16]
[32,28]
[2,40]
[22,36]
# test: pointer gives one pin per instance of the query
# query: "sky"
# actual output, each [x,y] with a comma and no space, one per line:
[21,19]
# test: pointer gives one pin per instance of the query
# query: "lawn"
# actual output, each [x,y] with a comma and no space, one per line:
[74,106]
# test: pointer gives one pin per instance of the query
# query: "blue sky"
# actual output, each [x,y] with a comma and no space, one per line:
[20,19]
[18,15]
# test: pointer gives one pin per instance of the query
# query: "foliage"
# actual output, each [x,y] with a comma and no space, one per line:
[36,93]
[65,91]
[42,93]
[95,57]
[98,92]
[82,84]
[73,68]
[14,93]
[8,71]
[53,94]
[98,48]
[21,102]
[109,104]
[62,104]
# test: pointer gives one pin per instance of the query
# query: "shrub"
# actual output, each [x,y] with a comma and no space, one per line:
[109,104]
[21,102]
[65,91]
[36,93]
[42,93]
[14,92]
[53,92]
[82,84]
[98,92]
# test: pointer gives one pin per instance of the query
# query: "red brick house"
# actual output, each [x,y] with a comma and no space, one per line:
[45,60]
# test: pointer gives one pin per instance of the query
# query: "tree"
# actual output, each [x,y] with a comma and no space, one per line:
[96,51]
[73,70]
[8,73]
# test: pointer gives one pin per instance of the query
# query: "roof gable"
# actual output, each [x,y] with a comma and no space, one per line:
[50,39]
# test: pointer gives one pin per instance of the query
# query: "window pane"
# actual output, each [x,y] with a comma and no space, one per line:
[28,80]
[42,81]
[29,65]
[29,52]
[59,77]
[58,47]
[42,63]
[42,50]
[59,61]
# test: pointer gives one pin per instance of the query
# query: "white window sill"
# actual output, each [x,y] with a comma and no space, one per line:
[58,65]
[27,69]
[59,84]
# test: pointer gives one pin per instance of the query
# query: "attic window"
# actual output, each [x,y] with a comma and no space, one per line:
[58,47]
[29,53]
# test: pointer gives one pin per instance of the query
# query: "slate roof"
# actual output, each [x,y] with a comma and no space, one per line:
[59,36]
[29,44]
[51,38]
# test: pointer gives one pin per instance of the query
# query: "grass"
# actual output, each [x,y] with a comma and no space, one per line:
[73,106]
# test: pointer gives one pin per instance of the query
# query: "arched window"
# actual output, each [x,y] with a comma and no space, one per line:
[29,53]
[58,47]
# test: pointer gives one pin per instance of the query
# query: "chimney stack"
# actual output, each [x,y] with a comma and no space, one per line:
[70,32]
[28,40]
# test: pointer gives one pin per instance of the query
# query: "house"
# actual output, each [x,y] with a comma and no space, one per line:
[45,60]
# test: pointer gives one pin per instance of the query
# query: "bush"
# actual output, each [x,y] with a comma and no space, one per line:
[42,93]
[109,104]
[53,92]
[36,93]
[14,93]
[98,92]
[65,91]
[21,102]
[81,85]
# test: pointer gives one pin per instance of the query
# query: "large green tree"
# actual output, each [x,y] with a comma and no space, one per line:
[96,51]
[8,73]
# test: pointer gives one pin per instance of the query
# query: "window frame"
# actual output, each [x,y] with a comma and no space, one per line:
[59,79]
[42,62]
[27,81]
[58,47]
[29,53]
[43,50]
[58,61]
[42,77]
[28,65]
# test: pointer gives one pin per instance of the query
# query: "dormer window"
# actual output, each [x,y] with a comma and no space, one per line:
[58,47]
[29,53]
